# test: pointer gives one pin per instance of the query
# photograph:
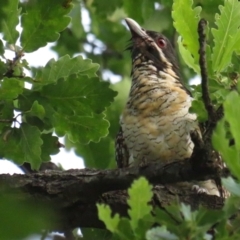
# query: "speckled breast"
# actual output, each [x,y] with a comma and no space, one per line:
[156,121]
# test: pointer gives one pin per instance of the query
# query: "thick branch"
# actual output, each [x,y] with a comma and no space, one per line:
[89,184]
[73,194]
[85,215]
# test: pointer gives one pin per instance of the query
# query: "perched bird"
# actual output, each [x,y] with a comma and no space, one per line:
[156,124]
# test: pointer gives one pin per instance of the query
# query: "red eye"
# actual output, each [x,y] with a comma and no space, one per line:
[161,42]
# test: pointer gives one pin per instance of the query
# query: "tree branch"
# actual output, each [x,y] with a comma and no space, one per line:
[202,62]
[91,183]
[73,194]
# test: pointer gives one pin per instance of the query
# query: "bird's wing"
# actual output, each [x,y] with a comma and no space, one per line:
[122,153]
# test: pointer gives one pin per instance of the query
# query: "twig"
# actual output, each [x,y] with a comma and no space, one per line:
[202,62]
[6,120]
[213,115]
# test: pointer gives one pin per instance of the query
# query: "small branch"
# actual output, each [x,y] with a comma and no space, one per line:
[202,62]
[6,120]
[11,120]
[13,63]
[213,115]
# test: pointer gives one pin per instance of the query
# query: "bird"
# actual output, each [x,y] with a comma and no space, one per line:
[156,124]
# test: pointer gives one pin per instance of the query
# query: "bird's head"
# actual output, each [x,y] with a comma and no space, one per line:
[152,46]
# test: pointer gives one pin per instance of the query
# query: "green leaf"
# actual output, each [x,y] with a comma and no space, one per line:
[187,57]
[68,43]
[231,206]
[133,11]
[37,110]
[22,145]
[64,67]
[49,147]
[102,154]
[10,88]
[187,213]
[104,8]
[227,36]
[199,108]
[144,10]
[124,230]
[163,217]
[27,223]
[158,16]
[99,155]
[140,194]
[30,145]
[169,216]
[232,115]
[77,26]
[94,233]
[9,20]
[147,8]
[186,23]
[70,95]
[77,109]
[105,215]
[81,129]
[209,62]
[230,154]
[42,22]
[143,225]
[208,217]
[6,114]
[3,69]
[160,233]
[231,185]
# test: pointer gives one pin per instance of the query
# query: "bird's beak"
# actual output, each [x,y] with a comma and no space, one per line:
[136,30]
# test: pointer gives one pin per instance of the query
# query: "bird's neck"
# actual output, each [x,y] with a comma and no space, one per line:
[157,90]
[147,77]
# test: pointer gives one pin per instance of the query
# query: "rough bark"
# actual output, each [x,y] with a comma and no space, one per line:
[73,194]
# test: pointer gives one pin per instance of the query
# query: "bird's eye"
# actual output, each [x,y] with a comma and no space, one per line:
[161,43]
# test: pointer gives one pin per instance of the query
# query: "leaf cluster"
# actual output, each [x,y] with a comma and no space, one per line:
[140,194]
[63,98]
[221,50]
[174,222]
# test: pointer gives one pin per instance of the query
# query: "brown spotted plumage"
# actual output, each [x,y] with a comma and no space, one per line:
[155,123]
